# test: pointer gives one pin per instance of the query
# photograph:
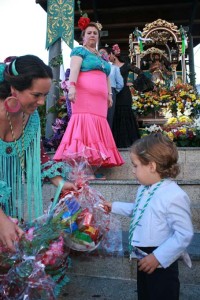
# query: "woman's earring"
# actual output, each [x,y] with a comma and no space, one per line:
[12,104]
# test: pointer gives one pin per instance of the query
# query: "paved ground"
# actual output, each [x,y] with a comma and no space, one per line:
[91,288]
[106,287]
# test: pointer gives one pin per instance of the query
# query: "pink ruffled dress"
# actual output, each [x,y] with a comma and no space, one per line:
[88,132]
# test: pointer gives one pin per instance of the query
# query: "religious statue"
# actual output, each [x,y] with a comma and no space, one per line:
[160,73]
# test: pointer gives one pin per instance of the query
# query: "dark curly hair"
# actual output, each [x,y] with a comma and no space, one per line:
[28,68]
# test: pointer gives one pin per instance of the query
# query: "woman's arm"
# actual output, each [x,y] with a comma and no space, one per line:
[119,79]
[67,186]
[57,179]
[75,66]
[110,101]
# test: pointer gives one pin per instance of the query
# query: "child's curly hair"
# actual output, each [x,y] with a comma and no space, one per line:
[159,149]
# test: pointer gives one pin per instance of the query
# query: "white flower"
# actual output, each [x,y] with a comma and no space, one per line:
[153,128]
[135,98]
[196,123]
[179,113]
[188,112]
[168,114]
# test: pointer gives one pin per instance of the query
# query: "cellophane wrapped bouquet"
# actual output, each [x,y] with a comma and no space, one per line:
[37,269]
[75,220]
[88,224]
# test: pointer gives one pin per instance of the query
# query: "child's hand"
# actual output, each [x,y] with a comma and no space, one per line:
[9,232]
[107,206]
[148,264]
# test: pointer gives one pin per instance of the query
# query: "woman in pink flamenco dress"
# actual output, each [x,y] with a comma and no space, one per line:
[88,132]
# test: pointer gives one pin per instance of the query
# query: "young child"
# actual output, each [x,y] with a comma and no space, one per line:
[161,224]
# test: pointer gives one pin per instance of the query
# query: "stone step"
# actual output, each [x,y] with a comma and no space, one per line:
[189,160]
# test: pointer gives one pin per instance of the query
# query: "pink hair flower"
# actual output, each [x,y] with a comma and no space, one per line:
[116,49]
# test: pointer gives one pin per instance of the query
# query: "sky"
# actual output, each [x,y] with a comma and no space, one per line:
[23,31]
[23,26]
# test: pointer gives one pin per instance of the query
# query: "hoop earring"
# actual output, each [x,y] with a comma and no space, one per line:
[12,104]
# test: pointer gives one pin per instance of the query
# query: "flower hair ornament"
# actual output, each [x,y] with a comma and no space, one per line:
[99,25]
[116,50]
[84,20]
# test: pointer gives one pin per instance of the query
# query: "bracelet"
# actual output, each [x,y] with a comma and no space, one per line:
[72,83]
[110,93]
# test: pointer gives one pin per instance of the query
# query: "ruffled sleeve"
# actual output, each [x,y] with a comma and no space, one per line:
[51,169]
[78,51]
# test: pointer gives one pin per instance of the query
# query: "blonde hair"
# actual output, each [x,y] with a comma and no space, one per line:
[159,149]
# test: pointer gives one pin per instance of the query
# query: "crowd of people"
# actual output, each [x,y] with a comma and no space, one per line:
[102,121]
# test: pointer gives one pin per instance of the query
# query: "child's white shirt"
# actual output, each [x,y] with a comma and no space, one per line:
[165,224]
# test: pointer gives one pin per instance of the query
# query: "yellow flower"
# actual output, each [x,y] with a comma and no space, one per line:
[193,97]
[184,119]
[144,134]
[170,135]
[180,105]
[172,120]
[182,93]
[182,130]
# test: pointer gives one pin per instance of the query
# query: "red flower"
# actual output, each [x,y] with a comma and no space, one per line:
[83,22]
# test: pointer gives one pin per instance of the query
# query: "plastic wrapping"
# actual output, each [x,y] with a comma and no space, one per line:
[76,220]
[37,270]
[90,226]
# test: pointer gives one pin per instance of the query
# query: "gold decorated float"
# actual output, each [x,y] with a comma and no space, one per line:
[174,105]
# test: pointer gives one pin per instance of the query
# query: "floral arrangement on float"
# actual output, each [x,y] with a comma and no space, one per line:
[179,105]
[75,221]
[183,130]
[62,110]
[180,97]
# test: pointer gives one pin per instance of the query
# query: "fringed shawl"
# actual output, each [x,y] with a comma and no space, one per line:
[26,199]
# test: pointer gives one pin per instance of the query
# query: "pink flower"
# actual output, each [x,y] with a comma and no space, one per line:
[55,251]
[116,49]
[29,234]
